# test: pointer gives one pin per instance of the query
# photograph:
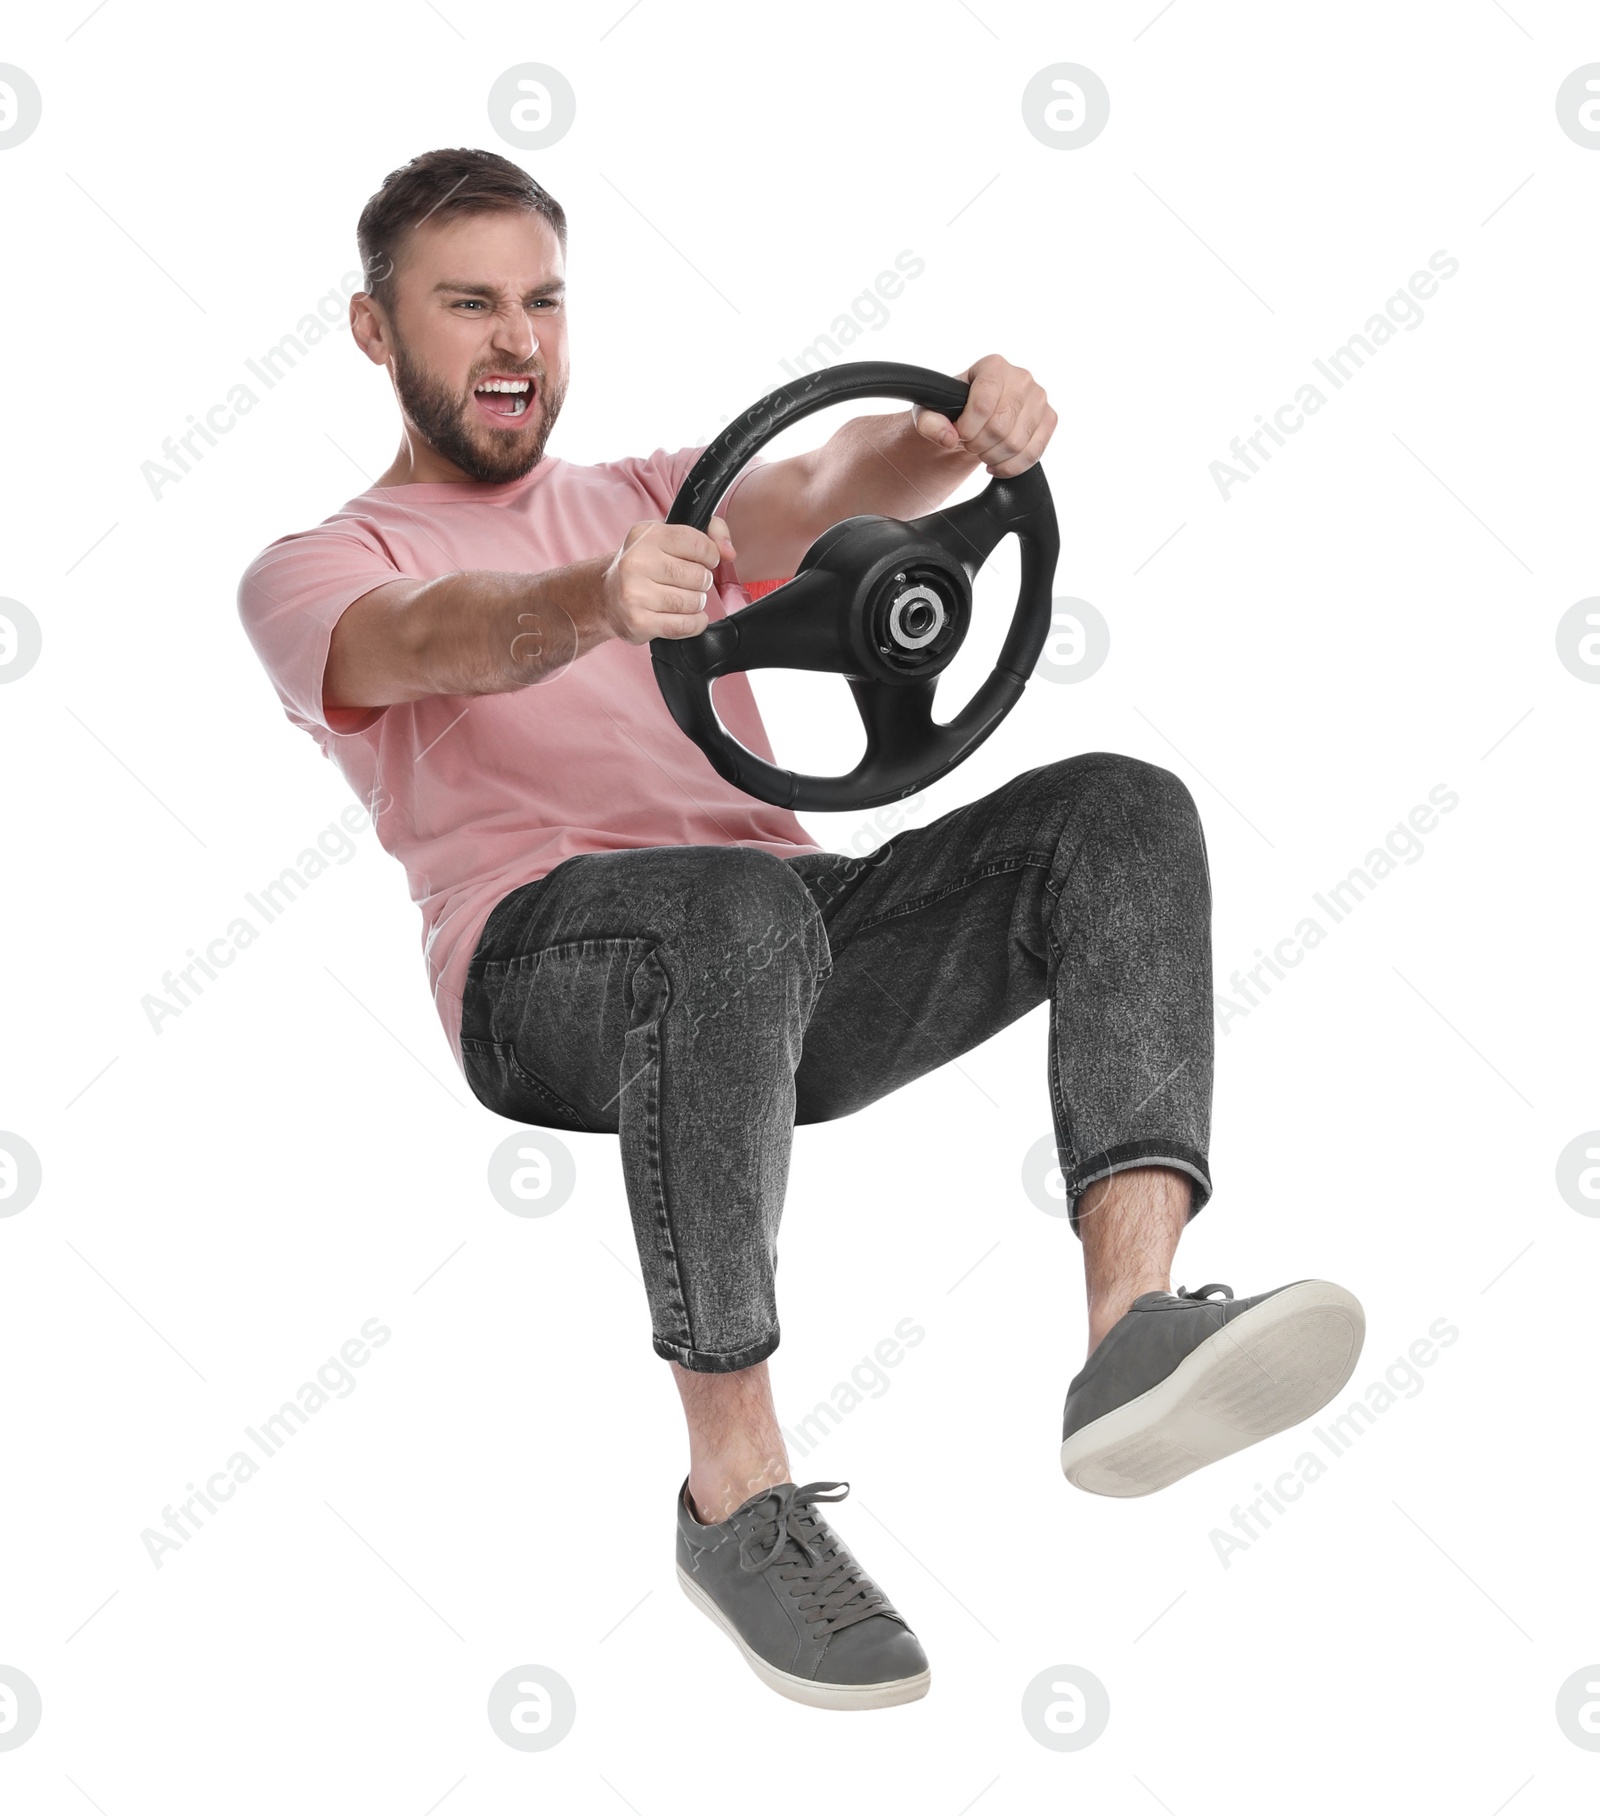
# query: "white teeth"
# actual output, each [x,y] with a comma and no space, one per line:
[519,390]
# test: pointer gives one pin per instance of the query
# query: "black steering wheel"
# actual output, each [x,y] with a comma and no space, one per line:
[884,603]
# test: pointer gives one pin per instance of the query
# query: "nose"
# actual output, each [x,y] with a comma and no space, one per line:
[517,339]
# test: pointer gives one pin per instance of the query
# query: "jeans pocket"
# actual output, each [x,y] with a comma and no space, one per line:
[501,1082]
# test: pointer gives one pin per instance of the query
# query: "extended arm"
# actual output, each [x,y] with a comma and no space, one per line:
[903,465]
[483,632]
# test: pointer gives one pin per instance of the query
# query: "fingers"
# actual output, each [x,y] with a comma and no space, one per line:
[667,612]
[674,570]
[661,578]
[724,541]
[1007,422]
[671,620]
[668,571]
[934,427]
[1032,449]
[683,549]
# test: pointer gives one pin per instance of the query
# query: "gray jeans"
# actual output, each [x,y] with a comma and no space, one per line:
[699,1001]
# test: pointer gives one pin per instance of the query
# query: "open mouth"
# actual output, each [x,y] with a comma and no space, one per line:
[505,399]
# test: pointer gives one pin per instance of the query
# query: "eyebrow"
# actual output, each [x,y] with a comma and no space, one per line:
[553,287]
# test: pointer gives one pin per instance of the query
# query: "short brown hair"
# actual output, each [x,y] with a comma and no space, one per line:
[441,185]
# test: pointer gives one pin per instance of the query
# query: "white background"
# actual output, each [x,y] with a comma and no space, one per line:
[225,1203]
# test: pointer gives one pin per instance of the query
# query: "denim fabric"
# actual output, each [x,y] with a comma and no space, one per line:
[699,1001]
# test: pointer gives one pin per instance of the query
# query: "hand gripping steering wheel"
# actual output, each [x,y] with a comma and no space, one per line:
[884,603]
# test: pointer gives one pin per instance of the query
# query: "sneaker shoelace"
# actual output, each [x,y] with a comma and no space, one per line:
[790,1537]
[1202,1294]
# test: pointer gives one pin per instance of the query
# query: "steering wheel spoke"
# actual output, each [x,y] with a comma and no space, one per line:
[895,718]
[970,531]
[797,625]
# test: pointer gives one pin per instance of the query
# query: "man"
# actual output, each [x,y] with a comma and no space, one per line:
[619,940]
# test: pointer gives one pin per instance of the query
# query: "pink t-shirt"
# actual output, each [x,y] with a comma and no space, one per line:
[477,794]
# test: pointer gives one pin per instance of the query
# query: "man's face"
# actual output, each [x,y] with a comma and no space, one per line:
[481,300]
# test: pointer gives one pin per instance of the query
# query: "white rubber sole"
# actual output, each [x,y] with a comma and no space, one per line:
[805,1689]
[1260,1373]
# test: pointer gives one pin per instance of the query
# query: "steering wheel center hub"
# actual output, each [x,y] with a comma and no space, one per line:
[916,618]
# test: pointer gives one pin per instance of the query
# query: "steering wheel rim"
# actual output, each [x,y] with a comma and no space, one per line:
[883,602]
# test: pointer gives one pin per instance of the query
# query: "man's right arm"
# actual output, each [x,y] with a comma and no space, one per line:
[483,632]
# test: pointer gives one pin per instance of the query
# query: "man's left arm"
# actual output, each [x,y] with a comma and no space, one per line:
[903,465]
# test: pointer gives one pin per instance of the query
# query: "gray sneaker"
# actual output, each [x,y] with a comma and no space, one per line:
[1182,1379]
[809,1620]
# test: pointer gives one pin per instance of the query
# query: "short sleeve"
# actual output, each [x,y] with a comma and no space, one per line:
[290,598]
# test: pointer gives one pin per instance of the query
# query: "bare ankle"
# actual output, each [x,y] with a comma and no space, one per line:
[1130,1223]
[1106,1311]
[735,1449]
[716,1489]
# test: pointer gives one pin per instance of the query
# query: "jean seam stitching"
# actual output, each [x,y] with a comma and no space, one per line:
[524,961]
[539,1085]
[1149,1151]
[658,1178]
[1058,1099]
[999,867]
[719,1355]
[505,1051]
[1055,892]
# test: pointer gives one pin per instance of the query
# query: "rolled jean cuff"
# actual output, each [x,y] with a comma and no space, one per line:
[711,1362]
[1176,1154]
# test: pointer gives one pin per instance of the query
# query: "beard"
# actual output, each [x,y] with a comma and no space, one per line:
[449,424]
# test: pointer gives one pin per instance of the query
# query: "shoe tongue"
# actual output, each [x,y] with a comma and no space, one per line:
[775,1515]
